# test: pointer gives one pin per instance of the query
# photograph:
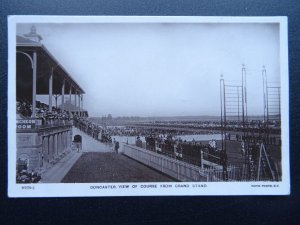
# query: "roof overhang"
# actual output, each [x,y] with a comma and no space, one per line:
[47,61]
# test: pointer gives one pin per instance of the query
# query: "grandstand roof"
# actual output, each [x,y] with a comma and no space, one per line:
[26,41]
[45,62]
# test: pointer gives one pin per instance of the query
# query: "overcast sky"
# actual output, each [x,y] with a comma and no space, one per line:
[162,69]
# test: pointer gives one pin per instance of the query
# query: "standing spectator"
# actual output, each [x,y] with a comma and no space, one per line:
[117,146]
[138,142]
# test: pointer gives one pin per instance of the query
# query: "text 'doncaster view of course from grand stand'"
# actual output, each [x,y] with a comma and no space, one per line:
[172,108]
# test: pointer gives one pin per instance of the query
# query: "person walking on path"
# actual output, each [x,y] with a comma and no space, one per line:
[117,146]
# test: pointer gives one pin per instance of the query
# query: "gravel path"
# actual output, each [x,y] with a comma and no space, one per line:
[56,173]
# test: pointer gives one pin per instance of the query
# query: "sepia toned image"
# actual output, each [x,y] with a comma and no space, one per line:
[117,106]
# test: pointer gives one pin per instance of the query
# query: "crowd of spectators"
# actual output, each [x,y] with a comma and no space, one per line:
[47,117]
[189,152]
[23,175]
[92,129]
[24,110]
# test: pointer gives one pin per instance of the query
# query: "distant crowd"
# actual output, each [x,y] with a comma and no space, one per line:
[232,125]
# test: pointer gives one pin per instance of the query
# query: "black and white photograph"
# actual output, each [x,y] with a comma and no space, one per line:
[147,106]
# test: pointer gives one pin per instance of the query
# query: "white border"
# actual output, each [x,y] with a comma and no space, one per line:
[211,188]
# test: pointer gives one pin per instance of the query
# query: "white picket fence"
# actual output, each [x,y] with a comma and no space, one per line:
[177,169]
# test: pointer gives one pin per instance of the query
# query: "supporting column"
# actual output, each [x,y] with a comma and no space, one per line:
[66,137]
[59,143]
[48,150]
[70,99]
[68,141]
[75,101]
[50,89]
[56,144]
[78,104]
[63,96]
[34,84]
[51,146]
[78,109]
[82,105]
[70,138]
[64,140]
[56,97]
[44,143]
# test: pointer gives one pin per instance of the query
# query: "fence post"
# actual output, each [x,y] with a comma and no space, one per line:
[201,160]
[208,175]
[178,171]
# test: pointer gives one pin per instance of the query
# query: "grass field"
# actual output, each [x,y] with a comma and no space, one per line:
[95,167]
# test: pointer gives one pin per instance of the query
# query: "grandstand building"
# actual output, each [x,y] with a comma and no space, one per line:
[44,132]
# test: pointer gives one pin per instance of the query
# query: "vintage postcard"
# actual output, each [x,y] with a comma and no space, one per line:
[147,106]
